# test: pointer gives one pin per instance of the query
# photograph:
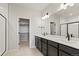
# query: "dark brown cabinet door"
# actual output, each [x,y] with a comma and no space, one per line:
[53,43]
[52,51]
[71,51]
[50,48]
[38,43]
[44,48]
[44,52]
[61,53]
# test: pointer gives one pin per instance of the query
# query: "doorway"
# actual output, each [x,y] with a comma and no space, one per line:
[23,32]
[52,28]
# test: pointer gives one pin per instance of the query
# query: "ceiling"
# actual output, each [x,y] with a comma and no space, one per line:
[70,11]
[33,6]
[52,8]
[74,10]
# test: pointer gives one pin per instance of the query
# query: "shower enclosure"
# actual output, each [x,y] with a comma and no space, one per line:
[2,34]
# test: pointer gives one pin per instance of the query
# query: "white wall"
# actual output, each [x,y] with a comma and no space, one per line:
[13,39]
[16,12]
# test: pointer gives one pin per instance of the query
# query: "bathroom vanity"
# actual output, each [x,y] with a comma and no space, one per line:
[53,45]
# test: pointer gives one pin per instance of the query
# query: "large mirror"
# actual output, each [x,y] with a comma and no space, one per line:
[73,29]
[51,25]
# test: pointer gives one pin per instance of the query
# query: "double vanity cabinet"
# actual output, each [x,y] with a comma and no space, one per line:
[51,48]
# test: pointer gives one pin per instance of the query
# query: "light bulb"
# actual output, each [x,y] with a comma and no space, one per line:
[45,17]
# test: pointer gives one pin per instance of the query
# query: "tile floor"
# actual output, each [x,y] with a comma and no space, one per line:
[23,50]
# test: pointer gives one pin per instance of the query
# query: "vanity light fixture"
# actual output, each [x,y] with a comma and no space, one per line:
[46,16]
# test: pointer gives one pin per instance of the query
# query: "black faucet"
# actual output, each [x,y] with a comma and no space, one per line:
[68,36]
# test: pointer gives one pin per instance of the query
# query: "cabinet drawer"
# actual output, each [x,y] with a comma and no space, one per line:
[61,53]
[44,51]
[39,47]
[53,44]
[69,50]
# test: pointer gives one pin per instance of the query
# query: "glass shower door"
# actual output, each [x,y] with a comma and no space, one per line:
[2,34]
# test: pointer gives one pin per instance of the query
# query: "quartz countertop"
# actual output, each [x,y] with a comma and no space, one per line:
[74,42]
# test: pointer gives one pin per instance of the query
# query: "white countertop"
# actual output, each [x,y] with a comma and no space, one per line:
[74,42]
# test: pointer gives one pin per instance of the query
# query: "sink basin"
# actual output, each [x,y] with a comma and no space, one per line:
[72,40]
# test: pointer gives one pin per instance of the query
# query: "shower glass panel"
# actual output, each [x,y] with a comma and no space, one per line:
[2,34]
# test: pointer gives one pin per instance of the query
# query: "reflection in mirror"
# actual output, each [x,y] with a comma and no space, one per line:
[52,28]
[63,29]
[73,30]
